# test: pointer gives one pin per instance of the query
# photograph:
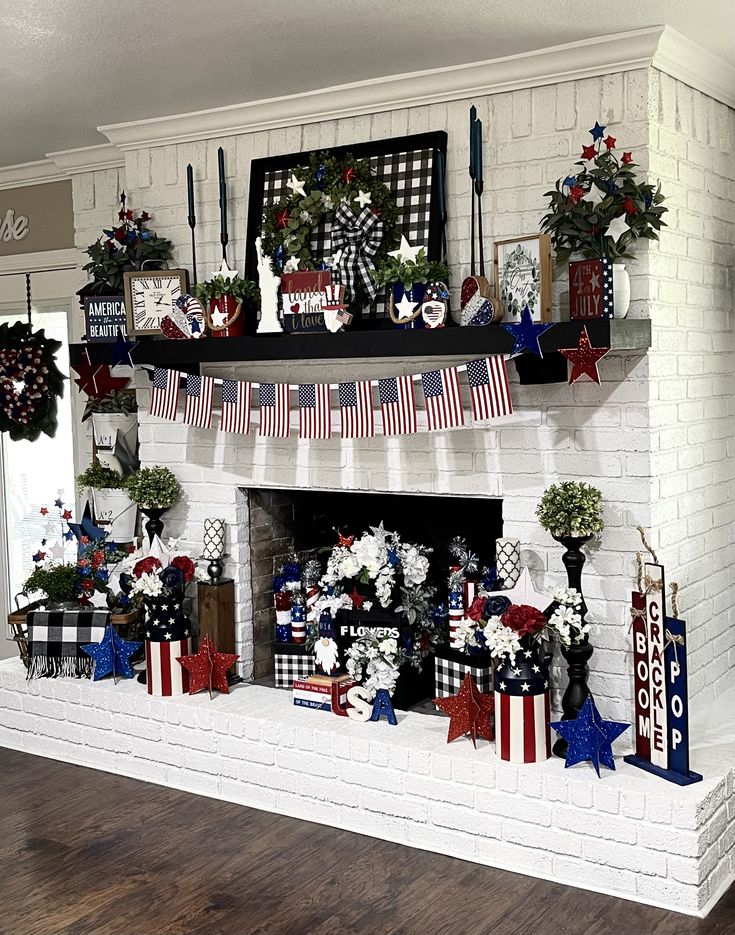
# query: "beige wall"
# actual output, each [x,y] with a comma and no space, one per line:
[49,214]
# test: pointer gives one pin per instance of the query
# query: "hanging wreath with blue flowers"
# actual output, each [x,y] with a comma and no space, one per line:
[359,209]
[30,382]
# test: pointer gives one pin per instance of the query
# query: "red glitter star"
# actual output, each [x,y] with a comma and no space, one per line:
[96,380]
[588,152]
[357,599]
[627,157]
[208,668]
[610,141]
[43,511]
[469,711]
[584,358]
[66,514]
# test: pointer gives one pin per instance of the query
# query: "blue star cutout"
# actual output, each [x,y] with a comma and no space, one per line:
[112,655]
[527,332]
[121,350]
[68,535]
[589,737]
[58,502]
[570,180]
[597,131]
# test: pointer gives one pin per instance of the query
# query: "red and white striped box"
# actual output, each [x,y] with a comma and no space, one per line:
[316,691]
[166,676]
[522,710]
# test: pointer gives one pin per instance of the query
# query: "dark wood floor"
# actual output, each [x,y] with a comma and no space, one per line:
[86,852]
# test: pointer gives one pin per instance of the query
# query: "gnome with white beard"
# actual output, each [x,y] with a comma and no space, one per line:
[326,653]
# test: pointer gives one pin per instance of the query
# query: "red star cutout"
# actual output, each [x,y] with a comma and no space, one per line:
[43,511]
[469,711]
[96,380]
[357,599]
[610,141]
[584,358]
[208,668]
[588,152]
[282,218]
[348,175]
[627,157]
[66,514]
[345,541]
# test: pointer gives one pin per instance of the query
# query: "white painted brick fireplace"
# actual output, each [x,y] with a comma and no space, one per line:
[656,437]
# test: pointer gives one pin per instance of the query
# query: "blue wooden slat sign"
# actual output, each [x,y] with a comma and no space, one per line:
[676,694]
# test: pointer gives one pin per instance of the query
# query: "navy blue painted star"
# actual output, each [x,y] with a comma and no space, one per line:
[527,332]
[597,131]
[58,502]
[121,350]
[589,737]
[112,655]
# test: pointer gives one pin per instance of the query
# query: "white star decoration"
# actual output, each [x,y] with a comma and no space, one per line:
[594,196]
[405,253]
[363,198]
[617,227]
[218,317]
[296,186]
[291,265]
[225,272]
[525,593]
[57,551]
[535,669]
[525,687]
[405,308]
[501,686]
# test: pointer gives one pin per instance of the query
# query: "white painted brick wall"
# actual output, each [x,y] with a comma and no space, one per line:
[626,834]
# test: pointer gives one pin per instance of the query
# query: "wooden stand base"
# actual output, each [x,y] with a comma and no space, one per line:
[217,614]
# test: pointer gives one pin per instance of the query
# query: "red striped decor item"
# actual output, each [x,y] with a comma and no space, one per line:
[489,388]
[165,393]
[443,399]
[235,407]
[522,709]
[199,396]
[315,412]
[398,405]
[165,675]
[356,410]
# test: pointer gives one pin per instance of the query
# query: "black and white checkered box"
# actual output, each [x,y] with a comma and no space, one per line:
[451,666]
[291,661]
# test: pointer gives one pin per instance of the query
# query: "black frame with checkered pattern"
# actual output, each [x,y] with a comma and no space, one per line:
[407,165]
[290,666]
[449,674]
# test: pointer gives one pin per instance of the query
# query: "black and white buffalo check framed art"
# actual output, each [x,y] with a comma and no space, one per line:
[409,166]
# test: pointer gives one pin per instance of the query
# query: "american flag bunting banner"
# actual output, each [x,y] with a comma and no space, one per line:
[357,419]
[489,388]
[274,410]
[522,709]
[398,405]
[315,411]
[199,396]
[236,407]
[443,399]
[165,393]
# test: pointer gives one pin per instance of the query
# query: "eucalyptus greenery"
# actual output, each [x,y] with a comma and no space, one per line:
[153,488]
[571,508]
[242,290]
[99,477]
[408,273]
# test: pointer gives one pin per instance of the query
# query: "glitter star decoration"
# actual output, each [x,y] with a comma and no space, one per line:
[527,332]
[111,655]
[584,358]
[96,380]
[588,152]
[469,711]
[208,668]
[589,737]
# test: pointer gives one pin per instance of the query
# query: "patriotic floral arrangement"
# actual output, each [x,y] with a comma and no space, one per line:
[601,210]
[375,662]
[145,578]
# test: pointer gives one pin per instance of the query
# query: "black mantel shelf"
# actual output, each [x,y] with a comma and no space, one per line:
[620,335]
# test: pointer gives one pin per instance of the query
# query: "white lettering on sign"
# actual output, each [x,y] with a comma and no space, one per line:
[12,227]
[655,612]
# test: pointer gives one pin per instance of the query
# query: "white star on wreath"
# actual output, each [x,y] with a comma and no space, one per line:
[363,198]
[291,265]
[218,317]
[617,227]
[405,253]
[296,186]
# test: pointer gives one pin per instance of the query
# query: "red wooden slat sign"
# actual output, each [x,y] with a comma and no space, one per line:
[640,679]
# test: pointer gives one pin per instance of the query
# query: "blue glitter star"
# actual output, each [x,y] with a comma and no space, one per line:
[589,737]
[597,131]
[527,332]
[68,535]
[121,350]
[58,502]
[112,655]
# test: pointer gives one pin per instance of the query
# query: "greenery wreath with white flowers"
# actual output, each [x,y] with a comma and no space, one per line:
[316,192]
[30,382]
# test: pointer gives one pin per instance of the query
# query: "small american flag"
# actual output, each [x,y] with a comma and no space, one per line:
[274,410]
[235,407]
[356,410]
[165,393]
[398,405]
[199,395]
[489,388]
[315,412]
[443,399]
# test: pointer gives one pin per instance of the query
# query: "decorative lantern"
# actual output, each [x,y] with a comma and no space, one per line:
[508,562]
[214,547]
[522,709]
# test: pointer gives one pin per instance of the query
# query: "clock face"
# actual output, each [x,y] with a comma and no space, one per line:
[152,298]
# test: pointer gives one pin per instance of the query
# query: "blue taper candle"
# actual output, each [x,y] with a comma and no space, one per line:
[190,190]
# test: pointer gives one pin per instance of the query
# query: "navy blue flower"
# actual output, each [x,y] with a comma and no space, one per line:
[172,578]
[496,605]
[393,558]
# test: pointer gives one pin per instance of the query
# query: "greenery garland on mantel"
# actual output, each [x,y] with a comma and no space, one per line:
[288,225]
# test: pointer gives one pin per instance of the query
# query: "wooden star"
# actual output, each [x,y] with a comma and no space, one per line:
[469,711]
[208,668]
[584,358]
[96,380]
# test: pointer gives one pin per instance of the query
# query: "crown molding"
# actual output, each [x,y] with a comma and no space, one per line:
[29,173]
[87,159]
[568,62]
[38,262]
[686,61]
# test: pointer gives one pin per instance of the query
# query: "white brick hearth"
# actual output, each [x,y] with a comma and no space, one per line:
[627,834]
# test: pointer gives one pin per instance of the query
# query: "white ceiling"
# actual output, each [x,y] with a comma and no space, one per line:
[68,66]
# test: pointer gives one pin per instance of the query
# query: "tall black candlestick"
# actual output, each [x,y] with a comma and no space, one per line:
[222,202]
[191,218]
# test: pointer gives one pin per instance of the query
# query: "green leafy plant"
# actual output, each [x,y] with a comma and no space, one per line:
[409,273]
[242,290]
[153,488]
[119,401]
[99,477]
[57,582]
[571,508]
[582,206]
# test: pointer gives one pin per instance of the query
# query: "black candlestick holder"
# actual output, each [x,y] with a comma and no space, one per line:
[577,655]
[215,568]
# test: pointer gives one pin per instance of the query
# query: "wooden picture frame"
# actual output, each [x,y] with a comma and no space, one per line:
[140,314]
[525,277]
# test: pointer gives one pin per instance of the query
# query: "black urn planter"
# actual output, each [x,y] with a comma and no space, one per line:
[154,524]
[577,655]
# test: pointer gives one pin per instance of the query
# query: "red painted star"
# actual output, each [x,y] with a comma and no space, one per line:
[348,175]
[357,599]
[282,218]
[627,157]
[96,380]
[66,514]
[588,152]
[43,511]
[584,358]
[469,711]
[610,141]
[208,668]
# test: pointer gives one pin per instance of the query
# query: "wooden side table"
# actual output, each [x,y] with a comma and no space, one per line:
[217,614]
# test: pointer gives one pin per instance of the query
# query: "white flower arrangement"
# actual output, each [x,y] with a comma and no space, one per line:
[149,585]
[491,635]
[375,662]
[566,621]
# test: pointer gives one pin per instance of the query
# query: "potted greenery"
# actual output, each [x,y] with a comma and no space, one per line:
[602,210]
[155,490]
[110,499]
[58,583]
[407,280]
[231,305]
[113,416]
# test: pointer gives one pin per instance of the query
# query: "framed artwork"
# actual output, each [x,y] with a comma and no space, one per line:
[151,295]
[523,276]
[409,166]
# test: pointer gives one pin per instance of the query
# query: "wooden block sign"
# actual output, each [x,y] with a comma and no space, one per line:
[103,315]
[590,289]
[304,293]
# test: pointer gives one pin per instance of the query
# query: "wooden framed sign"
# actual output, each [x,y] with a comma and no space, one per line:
[523,276]
[590,289]
[103,315]
[150,296]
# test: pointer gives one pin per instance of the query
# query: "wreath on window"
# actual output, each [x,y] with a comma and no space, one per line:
[346,194]
[30,382]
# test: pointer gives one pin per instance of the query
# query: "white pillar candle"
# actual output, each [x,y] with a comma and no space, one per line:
[214,539]
[508,561]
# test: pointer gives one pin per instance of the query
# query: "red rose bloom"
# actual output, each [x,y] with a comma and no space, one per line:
[185,566]
[146,566]
[477,607]
[523,619]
